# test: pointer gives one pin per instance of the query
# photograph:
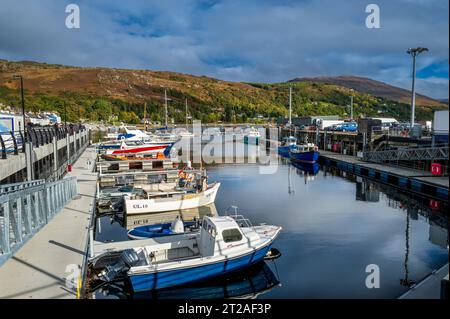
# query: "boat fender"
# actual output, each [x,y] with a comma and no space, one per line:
[177,226]
[272,254]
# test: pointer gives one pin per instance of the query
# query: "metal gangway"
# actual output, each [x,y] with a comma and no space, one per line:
[27,207]
[429,153]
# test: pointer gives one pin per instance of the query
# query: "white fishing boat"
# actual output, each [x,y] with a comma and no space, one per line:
[222,245]
[171,201]
[190,191]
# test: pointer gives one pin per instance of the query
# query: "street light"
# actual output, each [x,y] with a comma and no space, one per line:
[414,52]
[23,103]
[351,104]
[65,113]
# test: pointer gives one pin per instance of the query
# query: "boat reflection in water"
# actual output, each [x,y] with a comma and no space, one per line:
[247,284]
[310,168]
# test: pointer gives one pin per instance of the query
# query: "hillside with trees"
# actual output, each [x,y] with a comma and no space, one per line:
[103,94]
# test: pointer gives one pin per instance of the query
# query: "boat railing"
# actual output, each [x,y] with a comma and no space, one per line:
[240,219]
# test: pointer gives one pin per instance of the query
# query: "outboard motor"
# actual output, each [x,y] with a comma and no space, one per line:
[127,259]
[177,226]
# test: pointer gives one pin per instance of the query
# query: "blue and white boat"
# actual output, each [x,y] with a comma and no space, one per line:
[246,284]
[286,146]
[164,229]
[304,153]
[223,245]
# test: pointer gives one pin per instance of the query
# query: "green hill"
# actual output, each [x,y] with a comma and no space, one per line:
[102,93]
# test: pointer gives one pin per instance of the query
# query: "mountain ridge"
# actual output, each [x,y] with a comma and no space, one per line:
[371,86]
[99,93]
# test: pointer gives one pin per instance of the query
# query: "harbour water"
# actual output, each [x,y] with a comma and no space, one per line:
[334,226]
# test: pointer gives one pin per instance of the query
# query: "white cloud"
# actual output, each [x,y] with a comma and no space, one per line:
[259,40]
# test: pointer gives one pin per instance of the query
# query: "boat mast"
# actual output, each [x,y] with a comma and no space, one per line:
[145,116]
[186,114]
[290,105]
[165,104]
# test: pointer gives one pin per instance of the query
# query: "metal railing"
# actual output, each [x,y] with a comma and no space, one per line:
[10,188]
[25,211]
[62,167]
[408,154]
[13,142]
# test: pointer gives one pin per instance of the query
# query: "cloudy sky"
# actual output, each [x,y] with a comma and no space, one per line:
[238,40]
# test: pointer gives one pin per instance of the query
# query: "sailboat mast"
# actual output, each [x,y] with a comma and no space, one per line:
[165,104]
[290,105]
[145,116]
[186,113]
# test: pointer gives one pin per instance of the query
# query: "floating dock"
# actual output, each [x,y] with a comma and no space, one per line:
[417,181]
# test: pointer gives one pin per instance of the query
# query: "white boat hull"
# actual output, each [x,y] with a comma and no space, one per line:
[158,205]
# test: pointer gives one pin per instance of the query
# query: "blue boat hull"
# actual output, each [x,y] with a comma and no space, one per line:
[285,150]
[305,157]
[165,279]
[249,282]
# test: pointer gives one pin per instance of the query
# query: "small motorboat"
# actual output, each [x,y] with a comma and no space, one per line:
[132,157]
[287,144]
[137,147]
[304,153]
[165,229]
[223,245]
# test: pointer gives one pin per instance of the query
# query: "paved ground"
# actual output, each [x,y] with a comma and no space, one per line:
[40,268]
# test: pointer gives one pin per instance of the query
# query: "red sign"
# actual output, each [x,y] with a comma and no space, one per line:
[436,169]
[434,204]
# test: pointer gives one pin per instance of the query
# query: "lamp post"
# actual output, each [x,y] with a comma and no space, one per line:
[414,52]
[65,114]
[23,103]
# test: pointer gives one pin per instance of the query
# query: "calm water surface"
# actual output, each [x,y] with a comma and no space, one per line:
[334,225]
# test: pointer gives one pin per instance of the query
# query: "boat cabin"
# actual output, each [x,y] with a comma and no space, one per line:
[289,140]
[308,147]
[223,233]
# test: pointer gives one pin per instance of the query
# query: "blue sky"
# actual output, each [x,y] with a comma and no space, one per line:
[254,40]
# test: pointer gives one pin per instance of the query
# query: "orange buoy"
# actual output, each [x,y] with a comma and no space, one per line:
[160,156]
